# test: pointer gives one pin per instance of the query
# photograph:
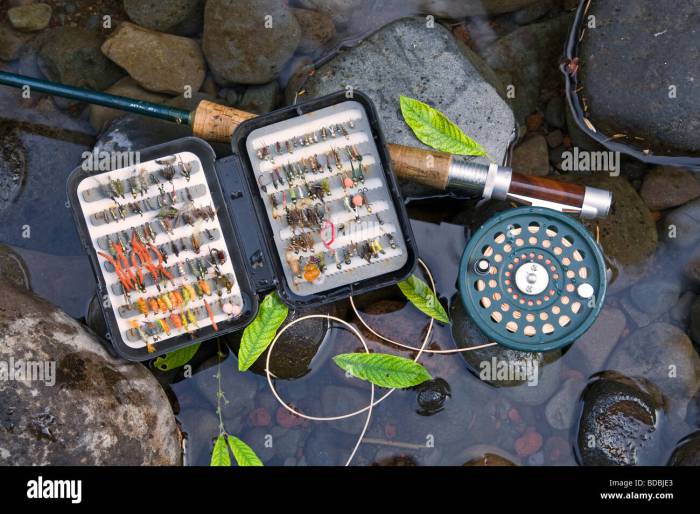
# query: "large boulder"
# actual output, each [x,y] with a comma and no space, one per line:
[412,59]
[240,48]
[87,408]
[177,16]
[649,47]
[158,62]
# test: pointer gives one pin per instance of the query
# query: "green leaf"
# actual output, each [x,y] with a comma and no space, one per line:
[382,369]
[220,456]
[420,295]
[177,358]
[259,334]
[434,129]
[244,454]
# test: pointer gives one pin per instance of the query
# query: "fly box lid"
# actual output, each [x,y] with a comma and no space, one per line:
[182,243]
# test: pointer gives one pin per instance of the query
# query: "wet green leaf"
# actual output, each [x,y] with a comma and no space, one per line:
[382,369]
[434,129]
[244,454]
[259,334]
[420,295]
[220,456]
[177,358]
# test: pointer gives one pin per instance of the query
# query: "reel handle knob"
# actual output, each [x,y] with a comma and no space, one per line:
[441,171]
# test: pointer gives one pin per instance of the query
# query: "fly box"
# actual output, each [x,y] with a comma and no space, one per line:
[183,243]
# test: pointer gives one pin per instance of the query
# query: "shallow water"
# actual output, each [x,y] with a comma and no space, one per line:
[38,228]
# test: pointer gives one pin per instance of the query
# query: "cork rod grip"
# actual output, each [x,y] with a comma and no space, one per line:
[547,189]
[427,167]
[215,122]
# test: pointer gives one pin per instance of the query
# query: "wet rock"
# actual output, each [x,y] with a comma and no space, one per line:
[655,296]
[620,423]
[431,396]
[259,440]
[454,9]
[72,56]
[532,12]
[680,312]
[680,227]
[91,409]
[695,321]
[297,347]
[13,164]
[326,447]
[166,15]
[11,42]
[336,401]
[30,18]
[628,234]
[554,113]
[528,445]
[12,268]
[201,427]
[340,11]
[664,355]
[532,157]
[687,453]
[99,116]
[630,39]
[667,186]
[527,58]
[502,367]
[384,67]
[555,138]
[562,407]
[593,348]
[317,30]
[691,269]
[488,456]
[260,99]
[239,49]
[158,62]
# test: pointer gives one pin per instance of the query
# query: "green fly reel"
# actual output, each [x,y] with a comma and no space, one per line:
[533,279]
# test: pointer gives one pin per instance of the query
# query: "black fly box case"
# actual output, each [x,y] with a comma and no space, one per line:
[183,243]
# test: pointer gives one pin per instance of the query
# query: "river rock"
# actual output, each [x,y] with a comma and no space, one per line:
[158,62]
[667,186]
[92,409]
[260,99]
[336,401]
[128,87]
[534,389]
[13,164]
[72,56]
[664,355]
[30,18]
[317,29]
[620,423]
[695,321]
[555,112]
[408,58]
[655,296]
[562,407]
[527,58]
[11,42]
[628,235]
[630,40]
[240,49]
[593,347]
[680,227]
[692,267]
[531,157]
[175,16]
[687,453]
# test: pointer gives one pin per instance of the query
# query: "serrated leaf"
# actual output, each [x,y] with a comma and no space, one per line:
[435,130]
[220,456]
[177,358]
[420,295]
[259,334]
[382,369]
[244,454]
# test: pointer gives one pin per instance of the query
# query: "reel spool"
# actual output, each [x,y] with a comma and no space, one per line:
[532,279]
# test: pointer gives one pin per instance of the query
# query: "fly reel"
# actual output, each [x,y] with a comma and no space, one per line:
[532,279]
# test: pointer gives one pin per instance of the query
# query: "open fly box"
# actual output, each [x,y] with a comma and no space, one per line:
[183,243]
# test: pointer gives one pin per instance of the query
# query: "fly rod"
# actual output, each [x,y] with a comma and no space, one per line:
[216,122]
